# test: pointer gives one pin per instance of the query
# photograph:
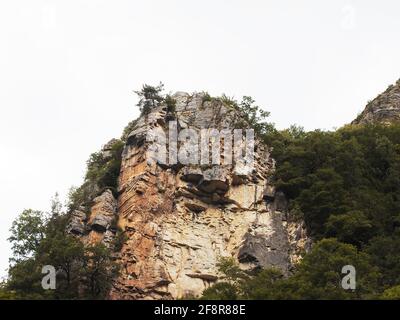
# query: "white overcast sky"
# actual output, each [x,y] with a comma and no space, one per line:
[68,70]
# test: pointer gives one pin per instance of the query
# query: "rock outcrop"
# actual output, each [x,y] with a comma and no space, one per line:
[179,220]
[383,109]
[99,224]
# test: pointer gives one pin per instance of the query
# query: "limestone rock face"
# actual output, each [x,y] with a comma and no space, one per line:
[383,109]
[103,212]
[77,224]
[181,219]
[97,225]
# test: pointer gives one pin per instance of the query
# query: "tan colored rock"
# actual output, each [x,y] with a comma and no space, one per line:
[384,109]
[181,220]
[77,224]
[98,226]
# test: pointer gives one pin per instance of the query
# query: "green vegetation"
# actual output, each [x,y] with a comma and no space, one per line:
[229,101]
[171,103]
[104,170]
[38,239]
[392,293]
[206,98]
[128,129]
[346,186]
[27,232]
[149,96]
[318,276]
[120,239]
[252,116]
[345,183]
[102,173]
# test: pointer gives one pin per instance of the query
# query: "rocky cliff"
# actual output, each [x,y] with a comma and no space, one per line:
[179,220]
[383,109]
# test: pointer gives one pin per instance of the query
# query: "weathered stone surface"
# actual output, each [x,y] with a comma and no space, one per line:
[180,223]
[299,242]
[103,211]
[269,193]
[206,277]
[266,244]
[195,207]
[98,226]
[181,220]
[77,223]
[280,202]
[191,174]
[107,148]
[215,180]
[383,109]
[100,223]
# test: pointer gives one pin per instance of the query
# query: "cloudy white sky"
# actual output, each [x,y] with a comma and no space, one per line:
[68,70]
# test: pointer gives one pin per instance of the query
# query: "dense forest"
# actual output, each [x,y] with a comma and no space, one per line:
[346,186]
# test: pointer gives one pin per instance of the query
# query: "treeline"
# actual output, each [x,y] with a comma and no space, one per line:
[84,271]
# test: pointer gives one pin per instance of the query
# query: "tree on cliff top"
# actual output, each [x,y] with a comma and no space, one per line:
[149,96]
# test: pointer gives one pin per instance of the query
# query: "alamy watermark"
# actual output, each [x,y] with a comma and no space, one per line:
[349,280]
[348,17]
[49,280]
[193,147]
